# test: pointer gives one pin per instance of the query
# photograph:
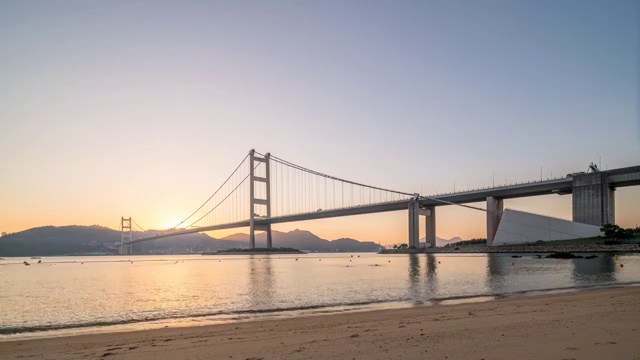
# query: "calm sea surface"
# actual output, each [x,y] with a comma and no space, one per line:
[65,295]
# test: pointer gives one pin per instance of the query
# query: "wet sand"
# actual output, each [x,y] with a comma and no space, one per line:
[591,324]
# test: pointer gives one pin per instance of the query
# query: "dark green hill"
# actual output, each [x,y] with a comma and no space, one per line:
[82,240]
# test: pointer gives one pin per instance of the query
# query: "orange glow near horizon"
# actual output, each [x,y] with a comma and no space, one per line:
[384,228]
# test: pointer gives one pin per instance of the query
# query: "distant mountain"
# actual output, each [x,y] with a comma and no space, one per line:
[442,242]
[70,240]
[306,240]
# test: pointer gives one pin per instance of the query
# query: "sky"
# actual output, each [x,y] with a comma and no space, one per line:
[142,109]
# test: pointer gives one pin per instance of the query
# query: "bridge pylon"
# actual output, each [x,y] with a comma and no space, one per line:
[125,227]
[253,200]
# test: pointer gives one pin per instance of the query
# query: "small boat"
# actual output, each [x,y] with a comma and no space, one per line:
[35,257]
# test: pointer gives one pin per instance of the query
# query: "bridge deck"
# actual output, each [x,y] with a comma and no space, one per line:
[629,176]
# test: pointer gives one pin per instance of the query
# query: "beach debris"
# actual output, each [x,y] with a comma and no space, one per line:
[563,255]
[296,259]
[39,261]
[516,256]
[621,265]
[591,257]
[26,263]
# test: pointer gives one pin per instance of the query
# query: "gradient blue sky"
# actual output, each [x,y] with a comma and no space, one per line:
[142,108]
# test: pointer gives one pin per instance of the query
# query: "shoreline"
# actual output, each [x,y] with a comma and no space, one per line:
[213,319]
[521,249]
[588,324]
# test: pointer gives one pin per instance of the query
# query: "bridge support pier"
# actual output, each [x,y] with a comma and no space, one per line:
[269,241]
[593,199]
[495,206]
[414,224]
[430,225]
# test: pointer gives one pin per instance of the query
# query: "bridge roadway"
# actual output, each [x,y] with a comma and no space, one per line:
[616,178]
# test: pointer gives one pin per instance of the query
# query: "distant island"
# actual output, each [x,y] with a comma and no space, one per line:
[98,240]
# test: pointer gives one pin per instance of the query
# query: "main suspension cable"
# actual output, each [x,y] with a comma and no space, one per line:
[214,194]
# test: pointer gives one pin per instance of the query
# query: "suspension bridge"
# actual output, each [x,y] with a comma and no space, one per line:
[264,190]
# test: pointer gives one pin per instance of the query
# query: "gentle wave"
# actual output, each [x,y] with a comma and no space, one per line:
[347,307]
[37,328]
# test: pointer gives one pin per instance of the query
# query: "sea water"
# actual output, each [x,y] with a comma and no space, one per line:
[63,295]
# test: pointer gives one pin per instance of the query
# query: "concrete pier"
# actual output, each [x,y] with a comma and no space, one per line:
[593,199]
[495,206]
[430,225]
[414,224]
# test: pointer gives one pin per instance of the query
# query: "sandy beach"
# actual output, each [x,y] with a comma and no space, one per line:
[590,324]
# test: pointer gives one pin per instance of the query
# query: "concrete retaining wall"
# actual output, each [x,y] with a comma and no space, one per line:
[518,227]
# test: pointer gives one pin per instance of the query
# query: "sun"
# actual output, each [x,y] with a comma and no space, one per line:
[170,223]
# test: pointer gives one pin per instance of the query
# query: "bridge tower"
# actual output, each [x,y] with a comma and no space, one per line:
[259,181]
[125,226]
